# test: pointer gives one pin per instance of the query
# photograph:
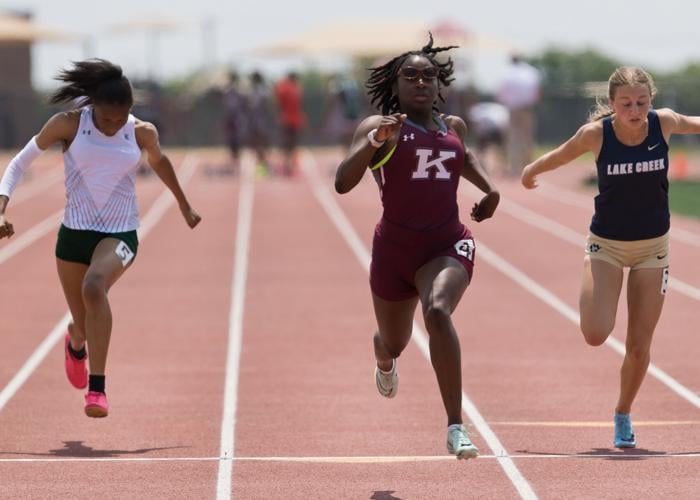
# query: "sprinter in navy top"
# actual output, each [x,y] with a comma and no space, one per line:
[631,221]
[421,250]
[633,185]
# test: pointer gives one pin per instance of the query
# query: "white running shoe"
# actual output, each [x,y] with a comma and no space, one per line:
[458,443]
[387,384]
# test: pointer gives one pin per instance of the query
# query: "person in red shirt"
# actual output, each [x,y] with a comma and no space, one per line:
[292,119]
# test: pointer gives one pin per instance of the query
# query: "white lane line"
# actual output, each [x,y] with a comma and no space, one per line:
[601,423]
[622,455]
[565,233]
[26,238]
[18,243]
[565,196]
[344,226]
[47,180]
[34,360]
[57,332]
[575,199]
[569,313]
[235,332]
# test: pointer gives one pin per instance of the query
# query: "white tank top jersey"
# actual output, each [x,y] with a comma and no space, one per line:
[100,172]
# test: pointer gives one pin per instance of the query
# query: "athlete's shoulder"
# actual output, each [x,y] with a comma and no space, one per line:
[146,132]
[590,131]
[69,118]
[456,124]
[667,117]
[143,125]
[61,126]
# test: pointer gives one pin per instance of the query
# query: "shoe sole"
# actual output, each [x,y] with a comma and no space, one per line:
[625,445]
[466,453]
[96,411]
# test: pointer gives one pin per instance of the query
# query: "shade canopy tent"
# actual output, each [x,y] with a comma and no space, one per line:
[374,39]
[20,29]
[158,25]
[153,28]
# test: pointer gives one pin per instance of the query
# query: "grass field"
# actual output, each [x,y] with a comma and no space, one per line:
[684,197]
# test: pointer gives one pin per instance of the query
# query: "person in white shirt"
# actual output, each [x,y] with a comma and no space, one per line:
[490,122]
[520,91]
[102,143]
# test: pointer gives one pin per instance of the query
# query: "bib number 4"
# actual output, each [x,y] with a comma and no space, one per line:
[465,248]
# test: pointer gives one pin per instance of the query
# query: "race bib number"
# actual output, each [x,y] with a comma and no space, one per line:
[465,248]
[664,281]
[124,253]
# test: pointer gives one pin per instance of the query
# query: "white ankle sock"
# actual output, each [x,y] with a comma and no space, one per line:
[393,367]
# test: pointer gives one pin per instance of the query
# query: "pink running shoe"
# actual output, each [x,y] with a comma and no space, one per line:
[76,371]
[96,404]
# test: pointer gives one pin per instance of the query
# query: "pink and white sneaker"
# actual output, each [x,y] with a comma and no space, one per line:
[76,371]
[96,404]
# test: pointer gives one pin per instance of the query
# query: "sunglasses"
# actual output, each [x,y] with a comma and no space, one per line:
[426,74]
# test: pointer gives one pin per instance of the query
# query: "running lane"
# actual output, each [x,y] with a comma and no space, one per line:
[310,423]
[540,387]
[165,373]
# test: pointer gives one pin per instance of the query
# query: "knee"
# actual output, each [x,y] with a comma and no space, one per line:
[596,333]
[437,318]
[94,289]
[596,330]
[638,353]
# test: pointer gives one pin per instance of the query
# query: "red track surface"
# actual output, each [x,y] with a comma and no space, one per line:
[308,422]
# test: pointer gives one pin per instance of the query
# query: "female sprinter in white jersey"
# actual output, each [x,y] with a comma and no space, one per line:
[631,221]
[102,143]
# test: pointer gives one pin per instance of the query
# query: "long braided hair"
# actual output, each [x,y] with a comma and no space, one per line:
[381,79]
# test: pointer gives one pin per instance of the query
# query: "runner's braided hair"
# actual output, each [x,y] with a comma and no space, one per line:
[381,79]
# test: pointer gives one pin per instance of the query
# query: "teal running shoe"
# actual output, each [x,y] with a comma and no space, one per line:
[624,434]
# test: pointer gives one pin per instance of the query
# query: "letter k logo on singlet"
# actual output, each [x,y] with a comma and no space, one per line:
[425,166]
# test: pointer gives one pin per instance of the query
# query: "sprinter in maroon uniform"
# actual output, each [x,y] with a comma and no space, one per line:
[421,250]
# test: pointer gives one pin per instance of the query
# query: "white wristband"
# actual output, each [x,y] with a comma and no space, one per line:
[375,143]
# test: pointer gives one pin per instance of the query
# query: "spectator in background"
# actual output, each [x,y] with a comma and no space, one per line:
[490,122]
[520,92]
[259,121]
[148,107]
[234,119]
[289,96]
[343,109]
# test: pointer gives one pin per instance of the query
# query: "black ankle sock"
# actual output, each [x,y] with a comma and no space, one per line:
[96,383]
[77,354]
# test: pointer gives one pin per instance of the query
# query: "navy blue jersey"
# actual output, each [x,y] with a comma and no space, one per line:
[632,203]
